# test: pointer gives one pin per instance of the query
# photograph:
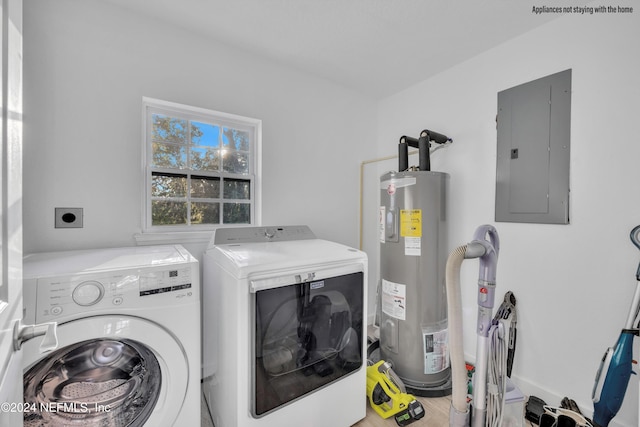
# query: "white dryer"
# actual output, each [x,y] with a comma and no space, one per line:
[283,329]
[128,330]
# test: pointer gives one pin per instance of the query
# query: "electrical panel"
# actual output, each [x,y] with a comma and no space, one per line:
[533,155]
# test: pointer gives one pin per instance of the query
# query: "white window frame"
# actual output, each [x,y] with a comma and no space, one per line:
[254,126]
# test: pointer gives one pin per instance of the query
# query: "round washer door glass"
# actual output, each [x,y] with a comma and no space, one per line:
[98,382]
[94,355]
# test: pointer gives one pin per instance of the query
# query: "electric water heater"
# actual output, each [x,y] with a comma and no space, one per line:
[413,252]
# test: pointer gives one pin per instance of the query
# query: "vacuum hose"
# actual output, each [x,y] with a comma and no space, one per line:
[459,412]
[485,246]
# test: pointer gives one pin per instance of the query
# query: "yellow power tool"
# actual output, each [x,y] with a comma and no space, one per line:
[388,397]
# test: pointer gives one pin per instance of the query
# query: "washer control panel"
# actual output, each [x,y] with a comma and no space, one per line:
[69,296]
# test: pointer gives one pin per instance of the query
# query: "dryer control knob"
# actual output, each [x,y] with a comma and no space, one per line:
[88,293]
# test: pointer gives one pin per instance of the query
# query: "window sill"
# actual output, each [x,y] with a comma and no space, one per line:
[172,237]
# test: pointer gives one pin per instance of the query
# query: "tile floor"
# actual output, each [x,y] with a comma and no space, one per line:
[436,415]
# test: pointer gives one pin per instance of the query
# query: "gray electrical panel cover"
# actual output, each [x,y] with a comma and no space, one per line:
[533,132]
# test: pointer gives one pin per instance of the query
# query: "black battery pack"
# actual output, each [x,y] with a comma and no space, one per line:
[414,412]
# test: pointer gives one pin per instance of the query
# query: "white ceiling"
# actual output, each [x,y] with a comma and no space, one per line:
[377,47]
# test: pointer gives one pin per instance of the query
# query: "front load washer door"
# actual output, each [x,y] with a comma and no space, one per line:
[107,371]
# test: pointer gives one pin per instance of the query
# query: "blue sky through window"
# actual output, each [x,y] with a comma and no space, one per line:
[210,135]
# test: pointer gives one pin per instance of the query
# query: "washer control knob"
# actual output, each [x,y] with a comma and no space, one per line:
[88,293]
[56,310]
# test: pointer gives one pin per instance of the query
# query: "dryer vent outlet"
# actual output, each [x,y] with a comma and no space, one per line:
[69,218]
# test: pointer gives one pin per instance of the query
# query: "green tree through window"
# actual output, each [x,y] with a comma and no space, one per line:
[201,168]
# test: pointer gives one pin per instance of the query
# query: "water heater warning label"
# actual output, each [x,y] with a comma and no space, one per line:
[436,351]
[411,223]
[411,230]
[394,299]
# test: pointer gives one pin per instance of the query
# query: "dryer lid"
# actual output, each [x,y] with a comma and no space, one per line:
[244,259]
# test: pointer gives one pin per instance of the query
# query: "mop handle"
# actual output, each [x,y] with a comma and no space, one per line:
[633,319]
[634,239]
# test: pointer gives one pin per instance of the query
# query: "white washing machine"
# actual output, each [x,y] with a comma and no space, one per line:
[128,338]
[283,329]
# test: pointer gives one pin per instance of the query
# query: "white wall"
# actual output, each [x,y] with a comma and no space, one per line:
[573,282]
[88,65]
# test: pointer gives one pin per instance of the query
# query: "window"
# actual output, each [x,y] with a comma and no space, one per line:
[201,168]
